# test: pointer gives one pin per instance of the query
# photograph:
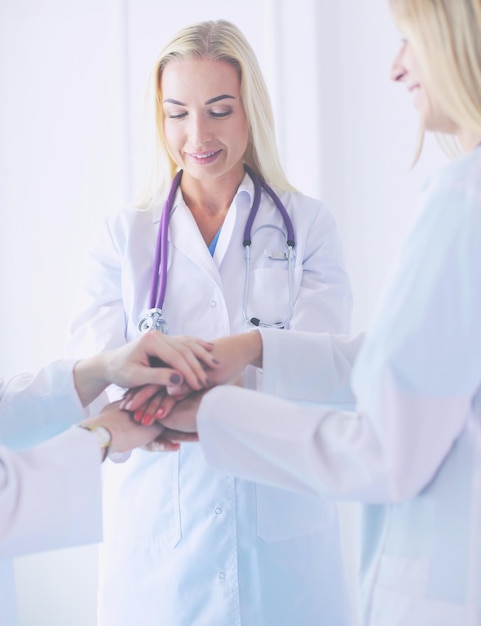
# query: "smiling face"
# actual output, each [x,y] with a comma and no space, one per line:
[205,126]
[407,69]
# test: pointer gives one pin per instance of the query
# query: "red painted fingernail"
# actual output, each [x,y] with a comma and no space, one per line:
[147,419]
[138,415]
[160,413]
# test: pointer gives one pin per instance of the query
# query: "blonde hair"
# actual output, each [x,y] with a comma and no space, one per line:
[446,36]
[219,41]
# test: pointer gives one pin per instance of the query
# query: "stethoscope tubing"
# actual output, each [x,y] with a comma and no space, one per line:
[260,184]
[157,295]
[153,319]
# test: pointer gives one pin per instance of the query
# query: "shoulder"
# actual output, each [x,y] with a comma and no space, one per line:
[306,208]
[461,175]
[453,193]
[133,216]
[131,221]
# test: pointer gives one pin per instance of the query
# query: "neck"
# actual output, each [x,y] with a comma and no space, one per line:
[212,196]
[209,200]
[469,140]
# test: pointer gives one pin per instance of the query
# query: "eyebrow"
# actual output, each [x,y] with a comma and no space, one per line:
[210,101]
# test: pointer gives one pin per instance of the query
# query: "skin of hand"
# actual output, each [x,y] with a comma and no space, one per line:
[130,365]
[231,354]
[126,434]
[169,440]
[183,417]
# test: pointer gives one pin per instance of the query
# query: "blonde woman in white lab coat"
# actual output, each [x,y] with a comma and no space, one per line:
[411,446]
[185,544]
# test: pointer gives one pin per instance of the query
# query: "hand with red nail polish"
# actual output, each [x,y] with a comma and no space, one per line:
[147,419]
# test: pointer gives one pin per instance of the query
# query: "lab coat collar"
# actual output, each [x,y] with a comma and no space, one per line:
[245,193]
[243,198]
[184,234]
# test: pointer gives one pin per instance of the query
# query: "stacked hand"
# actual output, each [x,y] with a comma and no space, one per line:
[185,365]
[175,403]
[130,365]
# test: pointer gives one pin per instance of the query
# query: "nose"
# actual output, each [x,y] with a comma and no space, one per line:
[199,130]
[398,71]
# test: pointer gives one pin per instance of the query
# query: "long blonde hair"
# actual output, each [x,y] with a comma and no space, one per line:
[220,41]
[446,35]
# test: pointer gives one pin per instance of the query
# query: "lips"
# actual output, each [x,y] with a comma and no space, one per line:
[203,158]
[203,155]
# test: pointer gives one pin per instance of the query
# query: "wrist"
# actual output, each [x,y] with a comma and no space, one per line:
[254,348]
[103,436]
[90,378]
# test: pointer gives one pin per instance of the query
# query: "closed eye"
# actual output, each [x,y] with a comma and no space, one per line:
[220,114]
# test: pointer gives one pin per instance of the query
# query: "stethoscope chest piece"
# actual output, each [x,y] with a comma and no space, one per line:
[153,320]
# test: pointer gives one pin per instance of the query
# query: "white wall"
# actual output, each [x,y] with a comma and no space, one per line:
[72,75]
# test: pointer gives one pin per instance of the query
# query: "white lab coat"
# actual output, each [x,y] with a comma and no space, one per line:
[185,544]
[49,494]
[411,446]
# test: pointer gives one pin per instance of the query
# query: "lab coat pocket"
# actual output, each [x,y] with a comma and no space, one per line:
[268,298]
[141,501]
[400,597]
[285,514]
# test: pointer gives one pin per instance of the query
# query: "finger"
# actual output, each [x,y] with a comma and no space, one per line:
[127,397]
[164,407]
[187,355]
[179,391]
[162,446]
[146,415]
[176,436]
[160,376]
[137,397]
[200,360]
[144,435]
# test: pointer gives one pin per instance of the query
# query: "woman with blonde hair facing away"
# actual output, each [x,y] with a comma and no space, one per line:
[411,447]
[185,544]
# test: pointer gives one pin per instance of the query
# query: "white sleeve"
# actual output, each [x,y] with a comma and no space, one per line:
[100,322]
[415,380]
[99,309]
[36,407]
[309,367]
[50,496]
[324,301]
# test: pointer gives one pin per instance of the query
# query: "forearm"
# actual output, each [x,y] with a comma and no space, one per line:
[309,367]
[50,495]
[35,407]
[91,377]
[234,353]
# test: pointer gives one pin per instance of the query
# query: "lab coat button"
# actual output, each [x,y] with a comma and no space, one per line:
[218,511]
[213,303]
[222,575]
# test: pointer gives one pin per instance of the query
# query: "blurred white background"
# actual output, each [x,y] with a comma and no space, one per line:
[72,80]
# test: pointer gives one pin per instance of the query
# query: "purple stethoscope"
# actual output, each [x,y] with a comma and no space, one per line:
[153,318]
